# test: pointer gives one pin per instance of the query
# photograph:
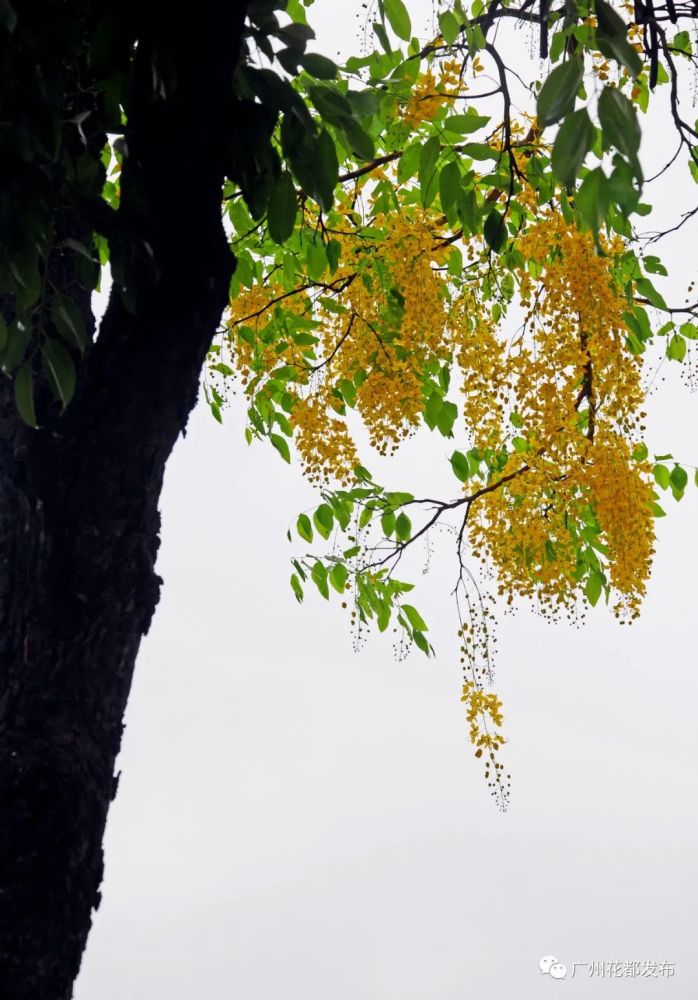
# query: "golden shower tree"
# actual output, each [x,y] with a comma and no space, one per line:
[479,272]
[412,238]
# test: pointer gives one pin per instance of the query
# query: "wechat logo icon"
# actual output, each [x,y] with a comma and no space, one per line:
[549,966]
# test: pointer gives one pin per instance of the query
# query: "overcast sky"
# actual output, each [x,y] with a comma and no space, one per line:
[295,821]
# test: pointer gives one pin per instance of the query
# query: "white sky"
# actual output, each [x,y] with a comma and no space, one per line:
[295,821]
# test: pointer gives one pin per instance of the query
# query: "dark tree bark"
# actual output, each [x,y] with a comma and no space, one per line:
[79,516]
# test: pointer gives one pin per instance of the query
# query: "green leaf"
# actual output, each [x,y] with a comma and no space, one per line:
[449,187]
[428,157]
[383,619]
[399,19]
[433,409]
[323,519]
[653,265]
[682,42]
[8,17]
[592,200]
[611,38]
[645,287]
[450,26]
[297,589]
[408,164]
[338,577]
[661,476]
[18,337]
[3,333]
[359,140]
[333,106]
[318,575]
[24,394]
[414,618]
[281,445]
[382,36]
[620,125]
[447,418]
[464,124]
[495,230]
[481,151]
[460,466]
[319,66]
[388,523]
[327,170]
[572,143]
[403,527]
[304,527]
[594,586]
[558,93]
[421,642]
[676,348]
[60,370]
[469,211]
[679,481]
[283,206]
[68,321]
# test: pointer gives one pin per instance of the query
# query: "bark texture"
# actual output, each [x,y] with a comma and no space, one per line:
[79,516]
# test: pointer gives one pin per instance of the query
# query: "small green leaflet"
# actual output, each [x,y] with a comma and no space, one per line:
[319,66]
[495,230]
[620,125]
[594,585]
[338,577]
[304,527]
[60,370]
[281,445]
[297,589]
[403,527]
[414,618]
[592,199]
[558,93]
[318,574]
[323,519]
[464,124]
[676,348]
[611,38]
[572,143]
[283,206]
[24,394]
[399,19]
[460,466]
[449,187]
[450,26]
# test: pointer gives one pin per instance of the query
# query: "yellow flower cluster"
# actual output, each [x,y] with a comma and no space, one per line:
[252,309]
[482,704]
[429,94]
[575,389]
[566,381]
[484,715]
[397,308]
[622,493]
[378,336]
[324,444]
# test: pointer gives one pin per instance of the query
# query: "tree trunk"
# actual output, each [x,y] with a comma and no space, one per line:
[79,515]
